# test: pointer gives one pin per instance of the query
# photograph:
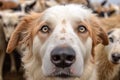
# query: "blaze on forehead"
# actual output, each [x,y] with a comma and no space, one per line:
[72,11]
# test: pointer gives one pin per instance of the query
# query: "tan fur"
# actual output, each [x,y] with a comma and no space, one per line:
[105,70]
[8,5]
[111,22]
[26,31]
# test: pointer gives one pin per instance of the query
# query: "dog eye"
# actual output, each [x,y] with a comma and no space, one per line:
[15,25]
[82,29]
[45,29]
[111,39]
[4,25]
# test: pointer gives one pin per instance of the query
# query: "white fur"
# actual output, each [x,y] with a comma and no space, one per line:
[41,51]
[113,47]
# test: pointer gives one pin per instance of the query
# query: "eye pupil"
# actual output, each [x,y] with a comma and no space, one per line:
[82,29]
[45,29]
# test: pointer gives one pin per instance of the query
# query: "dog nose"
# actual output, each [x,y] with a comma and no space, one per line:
[63,56]
[116,57]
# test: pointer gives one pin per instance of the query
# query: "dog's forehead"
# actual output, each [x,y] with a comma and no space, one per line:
[67,12]
[115,33]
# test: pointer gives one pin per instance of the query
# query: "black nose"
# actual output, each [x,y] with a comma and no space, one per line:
[63,56]
[115,57]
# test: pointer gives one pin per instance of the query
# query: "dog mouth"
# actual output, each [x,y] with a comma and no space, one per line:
[115,62]
[62,73]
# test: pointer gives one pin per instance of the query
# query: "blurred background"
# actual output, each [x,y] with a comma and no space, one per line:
[11,12]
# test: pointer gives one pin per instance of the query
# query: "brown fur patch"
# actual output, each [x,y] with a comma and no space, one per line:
[105,69]
[8,5]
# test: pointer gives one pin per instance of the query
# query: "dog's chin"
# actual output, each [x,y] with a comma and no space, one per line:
[63,76]
[114,62]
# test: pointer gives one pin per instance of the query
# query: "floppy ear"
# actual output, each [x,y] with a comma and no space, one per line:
[98,34]
[22,33]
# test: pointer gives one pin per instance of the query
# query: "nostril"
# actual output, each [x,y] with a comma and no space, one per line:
[116,57]
[70,58]
[56,58]
[113,55]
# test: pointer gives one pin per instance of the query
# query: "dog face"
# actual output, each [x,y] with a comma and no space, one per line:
[27,6]
[10,21]
[113,47]
[62,38]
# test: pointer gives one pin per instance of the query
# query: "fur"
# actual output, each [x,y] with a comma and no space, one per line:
[4,5]
[60,20]
[108,24]
[105,68]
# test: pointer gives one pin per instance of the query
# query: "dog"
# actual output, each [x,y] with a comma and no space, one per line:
[108,57]
[105,9]
[60,42]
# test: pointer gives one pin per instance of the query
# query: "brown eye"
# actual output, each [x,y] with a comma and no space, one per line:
[82,29]
[45,29]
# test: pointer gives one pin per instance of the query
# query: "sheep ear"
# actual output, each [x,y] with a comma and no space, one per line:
[104,2]
[32,4]
[22,33]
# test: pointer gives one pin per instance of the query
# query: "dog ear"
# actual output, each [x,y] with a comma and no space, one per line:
[98,33]
[22,33]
